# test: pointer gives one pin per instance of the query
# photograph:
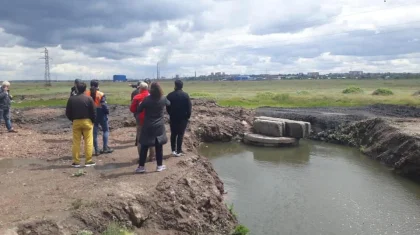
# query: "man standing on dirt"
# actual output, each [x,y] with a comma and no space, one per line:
[179,114]
[5,102]
[81,111]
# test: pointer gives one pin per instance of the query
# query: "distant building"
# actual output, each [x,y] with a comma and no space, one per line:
[313,74]
[218,74]
[119,78]
[241,78]
[212,74]
[356,73]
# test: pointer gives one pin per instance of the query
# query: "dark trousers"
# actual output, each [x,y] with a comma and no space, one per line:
[159,153]
[177,134]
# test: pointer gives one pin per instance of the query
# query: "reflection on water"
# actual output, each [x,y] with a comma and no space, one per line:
[316,188]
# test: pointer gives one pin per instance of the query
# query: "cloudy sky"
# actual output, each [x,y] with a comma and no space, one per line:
[96,39]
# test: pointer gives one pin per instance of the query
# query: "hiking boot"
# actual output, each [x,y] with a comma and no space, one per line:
[91,163]
[160,168]
[12,131]
[107,150]
[97,153]
[140,169]
[75,165]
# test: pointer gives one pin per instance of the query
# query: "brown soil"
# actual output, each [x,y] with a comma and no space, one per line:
[40,195]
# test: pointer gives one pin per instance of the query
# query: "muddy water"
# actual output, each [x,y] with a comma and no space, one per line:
[316,188]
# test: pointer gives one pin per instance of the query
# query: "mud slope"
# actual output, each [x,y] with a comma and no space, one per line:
[387,133]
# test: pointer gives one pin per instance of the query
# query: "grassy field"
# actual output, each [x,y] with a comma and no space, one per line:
[250,94]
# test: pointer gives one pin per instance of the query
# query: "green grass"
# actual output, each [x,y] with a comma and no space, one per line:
[116,229]
[241,230]
[353,90]
[250,94]
[383,91]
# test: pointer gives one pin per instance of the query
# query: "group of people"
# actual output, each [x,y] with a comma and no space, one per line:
[5,102]
[87,109]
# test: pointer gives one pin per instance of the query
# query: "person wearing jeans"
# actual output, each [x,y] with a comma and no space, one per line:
[179,114]
[80,110]
[153,132]
[102,112]
[5,102]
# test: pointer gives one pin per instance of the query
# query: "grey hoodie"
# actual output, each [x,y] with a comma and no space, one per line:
[4,99]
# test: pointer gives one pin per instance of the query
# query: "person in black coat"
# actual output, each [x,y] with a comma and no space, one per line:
[74,91]
[153,132]
[179,114]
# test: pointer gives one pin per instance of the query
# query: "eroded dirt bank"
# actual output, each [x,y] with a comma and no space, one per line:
[388,133]
[40,195]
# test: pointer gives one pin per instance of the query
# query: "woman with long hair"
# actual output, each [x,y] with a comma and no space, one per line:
[102,112]
[153,132]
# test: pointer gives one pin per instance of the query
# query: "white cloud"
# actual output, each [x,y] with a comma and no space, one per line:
[233,36]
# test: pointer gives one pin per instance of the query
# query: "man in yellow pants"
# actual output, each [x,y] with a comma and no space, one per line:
[81,111]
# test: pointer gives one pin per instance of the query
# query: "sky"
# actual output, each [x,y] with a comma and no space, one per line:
[97,39]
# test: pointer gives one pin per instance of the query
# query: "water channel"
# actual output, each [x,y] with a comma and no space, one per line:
[316,188]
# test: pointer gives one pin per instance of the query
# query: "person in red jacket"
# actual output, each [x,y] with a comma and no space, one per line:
[143,93]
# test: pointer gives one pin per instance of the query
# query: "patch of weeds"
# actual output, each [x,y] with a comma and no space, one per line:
[383,91]
[77,204]
[265,95]
[241,230]
[230,208]
[79,173]
[117,229]
[302,92]
[353,90]
[85,232]
[281,97]
[200,94]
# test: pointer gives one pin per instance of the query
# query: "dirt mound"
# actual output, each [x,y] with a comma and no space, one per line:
[189,200]
[45,227]
[380,140]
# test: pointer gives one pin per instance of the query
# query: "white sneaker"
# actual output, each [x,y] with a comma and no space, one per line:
[140,169]
[175,154]
[160,168]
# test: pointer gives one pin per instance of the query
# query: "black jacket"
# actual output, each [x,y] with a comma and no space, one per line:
[81,107]
[134,93]
[73,91]
[5,99]
[154,123]
[180,108]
